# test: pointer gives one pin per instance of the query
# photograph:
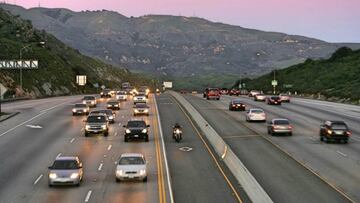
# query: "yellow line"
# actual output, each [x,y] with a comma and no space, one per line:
[161,183]
[210,152]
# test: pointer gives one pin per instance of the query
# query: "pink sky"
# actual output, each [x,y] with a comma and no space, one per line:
[329,20]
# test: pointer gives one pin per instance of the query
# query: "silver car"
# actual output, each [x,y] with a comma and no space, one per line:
[80,109]
[255,115]
[141,109]
[89,100]
[131,166]
[66,170]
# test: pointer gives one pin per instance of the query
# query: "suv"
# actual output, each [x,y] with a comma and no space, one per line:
[140,98]
[113,105]
[110,114]
[80,109]
[334,131]
[89,100]
[121,96]
[275,100]
[97,124]
[212,93]
[66,170]
[136,129]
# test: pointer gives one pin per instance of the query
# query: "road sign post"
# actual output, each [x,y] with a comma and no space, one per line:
[274,83]
[3,90]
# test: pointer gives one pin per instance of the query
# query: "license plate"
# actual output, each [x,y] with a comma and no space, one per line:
[338,132]
[131,176]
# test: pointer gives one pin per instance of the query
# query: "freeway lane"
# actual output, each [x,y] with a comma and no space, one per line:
[26,153]
[284,179]
[195,176]
[338,163]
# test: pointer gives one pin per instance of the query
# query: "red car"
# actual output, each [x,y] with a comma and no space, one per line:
[212,93]
[224,91]
[235,92]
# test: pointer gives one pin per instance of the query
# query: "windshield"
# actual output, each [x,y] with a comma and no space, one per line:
[89,98]
[136,124]
[281,122]
[339,127]
[121,93]
[65,164]
[113,102]
[80,105]
[96,119]
[141,106]
[257,111]
[131,161]
[236,102]
[108,112]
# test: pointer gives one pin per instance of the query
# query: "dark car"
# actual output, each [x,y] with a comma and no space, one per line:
[136,129]
[235,92]
[110,114]
[97,124]
[106,93]
[236,105]
[334,131]
[279,126]
[273,100]
[113,105]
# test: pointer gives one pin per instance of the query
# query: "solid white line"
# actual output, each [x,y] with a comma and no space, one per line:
[100,167]
[11,129]
[44,110]
[342,154]
[109,147]
[38,179]
[58,155]
[72,140]
[164,153]
[88,195]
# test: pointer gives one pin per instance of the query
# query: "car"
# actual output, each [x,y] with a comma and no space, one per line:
[224,91]
[89,100]
[136,129]
[279,126]
[121,96]
[106,93]
[113,105]
[252,93]
[80,109]
[97,124]
[66,170]
[141,109]
[284,98]
[234,92]
[255,114]
[236,105]
[140,98]
[110,114]
[131,166]
[145,90]
[273,100]
[259,97]
[334,131]
[212,93]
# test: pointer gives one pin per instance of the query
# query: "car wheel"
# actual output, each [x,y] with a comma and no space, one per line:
[106,134]
[147,139]
[218,99]
[290,134]
[50,185]
[145,179]
[268,132]
[86,134]
[117,180]
[321,138]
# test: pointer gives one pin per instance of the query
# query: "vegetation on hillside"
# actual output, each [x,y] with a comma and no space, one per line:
[335,78]
[58,63]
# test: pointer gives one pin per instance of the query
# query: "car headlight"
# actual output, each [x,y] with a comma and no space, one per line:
[111,117]
[103,127]
[87,127]
[74,110]
[116,105]
[146,110]
[128,131]
[136,111]
[92,102]
[109,105]
[142,172]
[119,172]
[85,110]
[144,131]
[84,102]
[74,175]
[52,175]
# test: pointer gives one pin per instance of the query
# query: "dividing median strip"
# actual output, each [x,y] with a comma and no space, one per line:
[253,189]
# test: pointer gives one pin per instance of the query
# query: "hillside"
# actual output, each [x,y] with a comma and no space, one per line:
[58,63]
[335,78]
[175,46]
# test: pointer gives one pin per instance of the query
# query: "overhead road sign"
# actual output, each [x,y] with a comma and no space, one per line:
[19,64]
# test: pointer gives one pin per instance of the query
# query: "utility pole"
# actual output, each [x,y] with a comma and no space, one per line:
[274,86]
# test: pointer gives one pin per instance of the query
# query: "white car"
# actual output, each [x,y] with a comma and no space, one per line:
[131,166]
[252,93]
[121,96]
[259,97]
[284,98]
[140,98]
[255,115]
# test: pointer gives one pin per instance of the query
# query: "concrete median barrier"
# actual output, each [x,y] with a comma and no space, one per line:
[253,189]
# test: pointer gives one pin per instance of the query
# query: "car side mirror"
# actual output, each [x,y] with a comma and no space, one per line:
[50,167]
[148,126]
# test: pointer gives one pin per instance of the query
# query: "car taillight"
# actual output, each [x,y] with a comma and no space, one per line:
[290,127]
[329,132]
[348,133]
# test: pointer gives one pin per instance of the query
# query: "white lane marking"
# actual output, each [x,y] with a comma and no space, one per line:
[119,124]
[72,140]
[58,155]
[11,129]
[38,179]
[164,153]
[88,195]
[44,110]
[116,133]
[100,167]
[34,126]
[342,154]
[109,147]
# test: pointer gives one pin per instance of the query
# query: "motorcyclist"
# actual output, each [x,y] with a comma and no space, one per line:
[176,127]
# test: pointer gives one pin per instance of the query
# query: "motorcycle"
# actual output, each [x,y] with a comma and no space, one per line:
[177,134]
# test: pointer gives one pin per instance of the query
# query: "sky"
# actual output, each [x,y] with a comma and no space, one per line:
[329,20]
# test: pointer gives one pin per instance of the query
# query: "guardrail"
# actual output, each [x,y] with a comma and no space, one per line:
[253,189]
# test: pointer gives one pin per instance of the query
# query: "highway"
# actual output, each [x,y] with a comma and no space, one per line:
[290,169]
[45,129]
